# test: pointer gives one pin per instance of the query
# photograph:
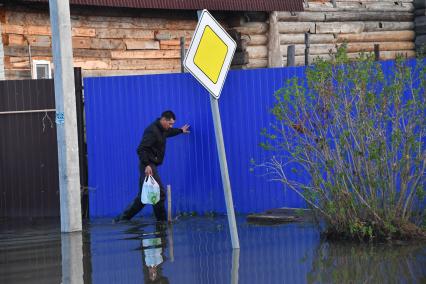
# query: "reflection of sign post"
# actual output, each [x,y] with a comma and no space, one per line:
[208,59]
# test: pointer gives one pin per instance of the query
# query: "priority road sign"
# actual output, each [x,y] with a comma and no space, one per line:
[208,59]
[210,54]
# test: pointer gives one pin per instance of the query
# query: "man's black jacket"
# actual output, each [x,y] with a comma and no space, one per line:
[152,148]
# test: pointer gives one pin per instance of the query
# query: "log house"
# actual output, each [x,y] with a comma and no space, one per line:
[125,40]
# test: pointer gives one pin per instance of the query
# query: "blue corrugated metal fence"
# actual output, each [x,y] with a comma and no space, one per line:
[119,108]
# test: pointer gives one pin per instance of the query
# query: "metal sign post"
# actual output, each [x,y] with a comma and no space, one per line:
[208,60]
[214,103]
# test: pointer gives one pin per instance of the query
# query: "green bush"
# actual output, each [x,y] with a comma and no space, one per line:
[350,129]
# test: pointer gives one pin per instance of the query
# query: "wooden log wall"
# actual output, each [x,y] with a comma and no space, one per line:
[252,33]
[360,24]
[106,45]
[420,25]
[254,40]
[102,45]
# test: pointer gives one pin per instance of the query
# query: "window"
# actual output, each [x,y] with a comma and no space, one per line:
[41,69]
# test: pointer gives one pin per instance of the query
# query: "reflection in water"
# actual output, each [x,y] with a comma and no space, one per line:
[142,252]
[30,253]
[235,265]
[152,242]
[153,238]
[153,245]
[72,257]
[171,246]
[364,263]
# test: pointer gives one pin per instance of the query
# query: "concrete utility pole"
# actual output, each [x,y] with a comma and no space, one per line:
[66,118]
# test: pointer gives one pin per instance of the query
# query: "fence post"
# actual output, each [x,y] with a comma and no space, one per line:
[275,58]
[82,147]
[307,46]
[377,52]
[182,54]
[291,55]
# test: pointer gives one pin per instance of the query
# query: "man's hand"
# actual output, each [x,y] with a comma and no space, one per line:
[148,171]
[185,128]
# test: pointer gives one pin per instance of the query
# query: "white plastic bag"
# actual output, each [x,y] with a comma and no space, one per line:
[150,191]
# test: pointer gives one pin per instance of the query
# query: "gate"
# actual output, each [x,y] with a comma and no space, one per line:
[29,185]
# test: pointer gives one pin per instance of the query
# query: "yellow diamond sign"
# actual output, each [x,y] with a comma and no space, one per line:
[210,54]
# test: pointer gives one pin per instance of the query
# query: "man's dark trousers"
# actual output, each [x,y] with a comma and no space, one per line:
[136,205]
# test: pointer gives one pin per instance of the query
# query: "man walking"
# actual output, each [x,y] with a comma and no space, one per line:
[151,152]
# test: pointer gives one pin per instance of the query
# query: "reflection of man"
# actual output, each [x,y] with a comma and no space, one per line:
[153,256]
[151,152]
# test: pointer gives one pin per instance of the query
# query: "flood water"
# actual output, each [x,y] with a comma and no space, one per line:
[197,250]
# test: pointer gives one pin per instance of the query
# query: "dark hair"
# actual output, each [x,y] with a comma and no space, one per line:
[168,114]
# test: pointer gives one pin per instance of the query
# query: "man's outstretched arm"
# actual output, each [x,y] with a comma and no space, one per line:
[176,131]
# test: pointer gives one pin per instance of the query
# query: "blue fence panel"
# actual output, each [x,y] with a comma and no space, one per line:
[119,108]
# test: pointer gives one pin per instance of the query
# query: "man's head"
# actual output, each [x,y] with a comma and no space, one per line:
[153,273]
[167,119]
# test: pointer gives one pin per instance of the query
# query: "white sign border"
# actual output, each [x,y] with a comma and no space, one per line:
[206,19]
